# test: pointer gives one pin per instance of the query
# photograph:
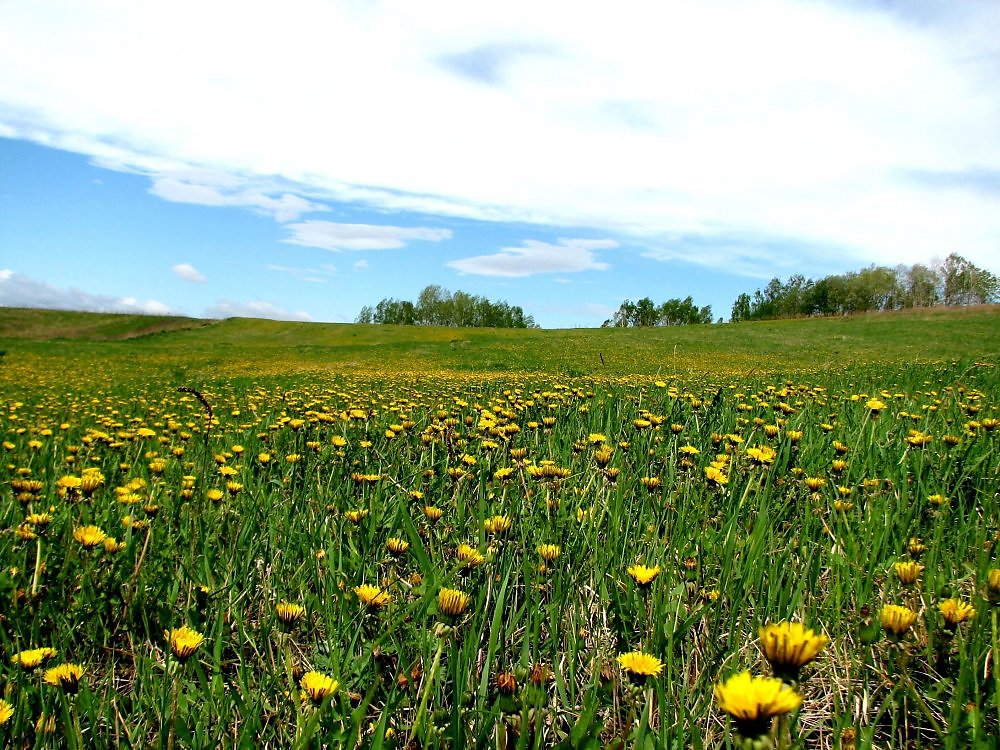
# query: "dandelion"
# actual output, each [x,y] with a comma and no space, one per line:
[32,657]
[644,575]
[469,556]
[433,513]
[88,536]
[955,612]
[753,701]
[789,646]
[549,552]
[396,546]
[6,711]
[937,500]
[497,525]
[896,619]
[993,585]
[915,547]
[639,665]
[289,613]
[715,476]
[184,641]
[66,676]
[316,686]
[372,596]
[452,602]
[874,406]
[908,572]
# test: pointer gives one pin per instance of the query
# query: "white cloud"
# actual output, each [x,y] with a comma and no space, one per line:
[208,189]
[187,272]
[329,235]
[18,290]
[779,120]
[359,264]
[255,309]
[312,275]
[568,256]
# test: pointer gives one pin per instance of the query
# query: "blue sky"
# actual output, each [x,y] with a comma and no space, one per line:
[302,161]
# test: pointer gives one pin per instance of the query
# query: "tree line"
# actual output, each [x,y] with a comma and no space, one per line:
[645,312]
[955,281]
[436,306]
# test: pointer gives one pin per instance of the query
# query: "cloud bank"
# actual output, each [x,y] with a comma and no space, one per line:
[867,128]
[18,290]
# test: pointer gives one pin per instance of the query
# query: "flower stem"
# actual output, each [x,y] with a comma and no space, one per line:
[427,690]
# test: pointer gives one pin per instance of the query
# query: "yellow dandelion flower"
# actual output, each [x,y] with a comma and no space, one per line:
[6,711]
[469,556]
[32,657]
[433,513]
[316,686]
[396,546]
[753,701]
[66,676]
[789,646]
[644,575]
[289,613]
[497,525]
[452,602]
[896,619]
[372,597]
[955,612]
[184,641]
[908,572]
[88,536]
[639,665]
[549,552]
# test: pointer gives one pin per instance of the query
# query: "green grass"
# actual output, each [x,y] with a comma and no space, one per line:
[438,412]
[202,349]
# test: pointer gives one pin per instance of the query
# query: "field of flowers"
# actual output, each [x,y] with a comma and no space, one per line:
[499,561]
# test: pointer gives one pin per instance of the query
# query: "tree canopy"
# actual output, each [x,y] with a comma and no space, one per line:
[954,281]
[673,312]
[436,306]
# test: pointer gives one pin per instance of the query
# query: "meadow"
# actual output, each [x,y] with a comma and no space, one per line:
[260,534]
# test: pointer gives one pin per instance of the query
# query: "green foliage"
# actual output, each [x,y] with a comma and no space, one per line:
[645,313]
[415,412]
[439,307]
[955,282]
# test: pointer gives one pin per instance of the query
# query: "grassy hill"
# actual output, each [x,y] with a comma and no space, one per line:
[254,347]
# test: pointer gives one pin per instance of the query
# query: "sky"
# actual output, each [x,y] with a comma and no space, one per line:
[300,160]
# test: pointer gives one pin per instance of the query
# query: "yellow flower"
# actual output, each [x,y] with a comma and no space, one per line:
[88,536]
[497,525]
[644,575]
[549,552]
[433,513]
[184,641]
[908,572]
[396,546]
[452,602]
[289,613]
[639,665]
[32,657]
[896,619]
[874,405]
[716,476]
[955,611]
[317,686]
[789,646]
[6,711]
[993,585]
[469,556]
[65,676]
[754,701]
[113,546]
[372,596]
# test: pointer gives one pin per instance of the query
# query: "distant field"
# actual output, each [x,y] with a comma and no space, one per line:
[197,349]
[246,533]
